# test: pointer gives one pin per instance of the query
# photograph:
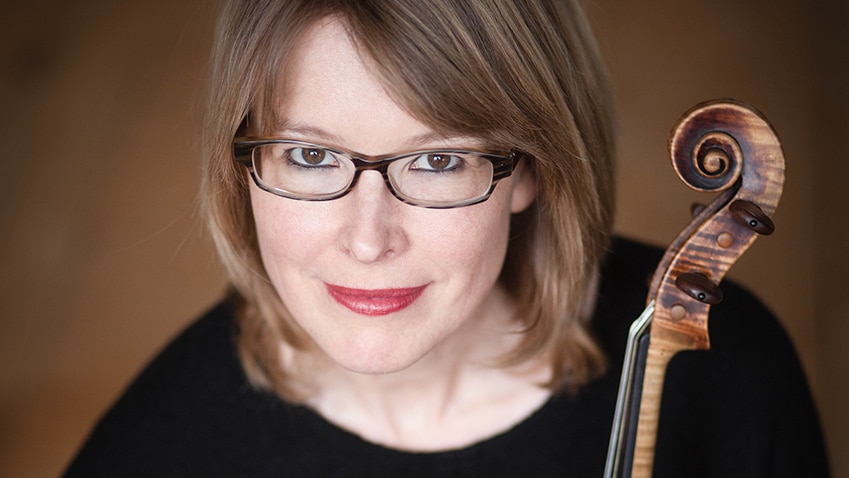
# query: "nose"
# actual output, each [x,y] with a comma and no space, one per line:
[372,228]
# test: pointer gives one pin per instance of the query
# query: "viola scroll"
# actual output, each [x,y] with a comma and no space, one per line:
[729,148]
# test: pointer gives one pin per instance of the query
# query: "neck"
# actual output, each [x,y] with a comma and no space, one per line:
[452,397]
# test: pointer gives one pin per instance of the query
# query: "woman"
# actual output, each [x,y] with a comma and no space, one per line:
[413,202]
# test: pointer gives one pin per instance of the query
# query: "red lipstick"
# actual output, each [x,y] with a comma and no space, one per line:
[375,301]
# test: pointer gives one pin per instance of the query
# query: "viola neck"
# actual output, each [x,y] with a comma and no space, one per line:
[623,433]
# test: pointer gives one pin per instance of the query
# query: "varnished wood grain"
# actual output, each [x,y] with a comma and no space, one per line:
[719,146]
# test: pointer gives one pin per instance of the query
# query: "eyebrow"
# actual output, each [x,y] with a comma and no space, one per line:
[310,131]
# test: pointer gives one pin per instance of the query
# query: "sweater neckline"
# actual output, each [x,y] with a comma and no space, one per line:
[358,446]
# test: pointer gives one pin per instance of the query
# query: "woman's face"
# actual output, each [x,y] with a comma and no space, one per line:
[376,283]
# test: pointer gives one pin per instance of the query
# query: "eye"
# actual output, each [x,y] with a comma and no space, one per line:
[312,157]
[436,162]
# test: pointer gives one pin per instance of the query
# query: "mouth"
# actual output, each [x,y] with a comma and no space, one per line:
[375,301]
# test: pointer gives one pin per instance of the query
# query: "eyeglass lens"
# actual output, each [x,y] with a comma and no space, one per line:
[438,177]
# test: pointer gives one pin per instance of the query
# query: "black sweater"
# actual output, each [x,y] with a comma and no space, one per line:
[742,409]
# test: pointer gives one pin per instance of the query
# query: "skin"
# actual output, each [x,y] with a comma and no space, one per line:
[417,378]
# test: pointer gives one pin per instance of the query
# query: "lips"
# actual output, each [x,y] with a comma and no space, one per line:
[375,301]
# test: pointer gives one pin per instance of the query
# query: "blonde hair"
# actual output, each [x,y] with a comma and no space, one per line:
[522,74]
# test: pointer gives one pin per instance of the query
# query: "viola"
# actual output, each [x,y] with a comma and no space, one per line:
[722,146]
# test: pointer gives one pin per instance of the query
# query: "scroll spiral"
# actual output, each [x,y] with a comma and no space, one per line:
[715,164]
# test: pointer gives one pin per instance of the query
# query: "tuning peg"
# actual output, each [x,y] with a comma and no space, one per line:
[699,287]
[750,215]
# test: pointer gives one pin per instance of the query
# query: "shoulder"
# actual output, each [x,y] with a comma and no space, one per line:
[741,323]
[741,327]
[198,360]
[191,407]
[742,408]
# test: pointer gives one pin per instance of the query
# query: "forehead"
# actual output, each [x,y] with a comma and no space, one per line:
[329,89]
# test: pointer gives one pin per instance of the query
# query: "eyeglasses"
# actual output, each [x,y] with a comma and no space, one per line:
[439,178]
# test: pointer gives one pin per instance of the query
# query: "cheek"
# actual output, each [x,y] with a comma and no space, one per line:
[474,239]
[287,235]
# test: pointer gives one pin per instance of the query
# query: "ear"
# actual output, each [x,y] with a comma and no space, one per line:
[524,188]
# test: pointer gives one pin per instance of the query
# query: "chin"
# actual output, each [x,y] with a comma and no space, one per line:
[373,369]
[376,360]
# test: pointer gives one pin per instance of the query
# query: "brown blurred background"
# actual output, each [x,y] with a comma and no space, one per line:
[104,258]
